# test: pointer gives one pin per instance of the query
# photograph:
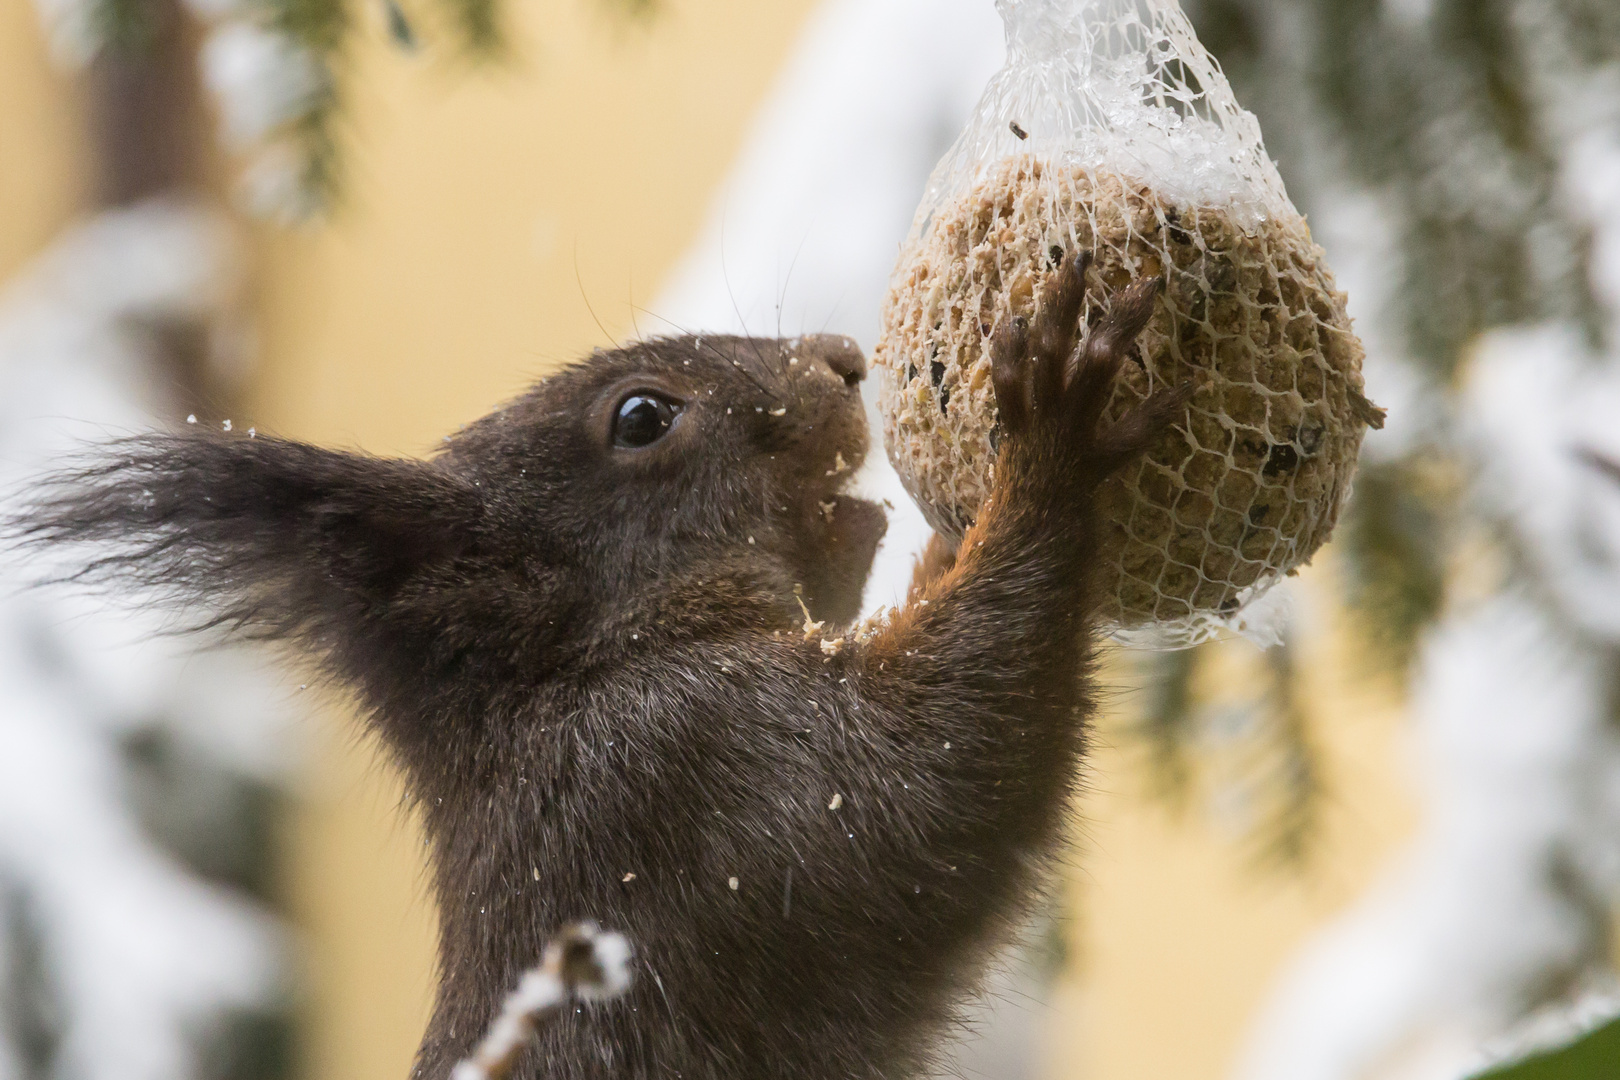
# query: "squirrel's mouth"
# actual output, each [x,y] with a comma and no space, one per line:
[836,534]
[840,532]
[844,542]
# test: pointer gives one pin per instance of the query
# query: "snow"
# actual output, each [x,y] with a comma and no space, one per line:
[70,29]
[1356,228]
[261,80]
[806,227]
[544,989]
[272,186]
[263,83]
[1520,772]
[141,952]
[1537,397]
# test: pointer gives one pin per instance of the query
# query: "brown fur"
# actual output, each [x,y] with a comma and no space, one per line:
[936,559]
[590,666]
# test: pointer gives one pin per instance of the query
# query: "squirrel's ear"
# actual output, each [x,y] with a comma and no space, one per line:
[279,538]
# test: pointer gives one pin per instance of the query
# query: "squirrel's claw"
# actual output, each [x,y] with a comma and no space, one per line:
[1091,387]
[1009,374]
[1040,377]
[1134,432]
[1056,329]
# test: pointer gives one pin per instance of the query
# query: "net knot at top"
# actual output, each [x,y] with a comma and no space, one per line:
[1045,29]
[1122,86]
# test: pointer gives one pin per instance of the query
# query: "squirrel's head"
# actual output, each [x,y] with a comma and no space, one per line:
[645,460]
[640,478]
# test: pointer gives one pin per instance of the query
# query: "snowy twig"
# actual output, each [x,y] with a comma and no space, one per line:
[581,962]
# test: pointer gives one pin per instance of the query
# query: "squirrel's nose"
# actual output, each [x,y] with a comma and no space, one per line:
[842,357]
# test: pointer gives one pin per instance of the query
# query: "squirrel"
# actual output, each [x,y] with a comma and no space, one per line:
[604,636]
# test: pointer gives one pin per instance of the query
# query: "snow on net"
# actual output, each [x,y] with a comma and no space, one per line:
[1112,130]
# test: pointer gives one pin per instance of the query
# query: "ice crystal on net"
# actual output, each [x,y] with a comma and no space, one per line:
[1112,131]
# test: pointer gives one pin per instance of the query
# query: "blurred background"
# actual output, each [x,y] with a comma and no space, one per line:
[1381,849]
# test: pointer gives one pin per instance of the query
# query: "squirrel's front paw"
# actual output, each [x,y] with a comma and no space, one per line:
[1053,395]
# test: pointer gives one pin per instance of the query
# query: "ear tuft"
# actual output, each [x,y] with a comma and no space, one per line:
[275,537]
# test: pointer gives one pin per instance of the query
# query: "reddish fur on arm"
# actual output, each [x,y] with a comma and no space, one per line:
[935,561]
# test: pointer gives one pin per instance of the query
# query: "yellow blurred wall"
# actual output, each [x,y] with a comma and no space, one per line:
[42,149]
[487,215]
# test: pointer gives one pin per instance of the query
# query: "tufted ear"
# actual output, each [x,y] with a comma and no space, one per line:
[278,539]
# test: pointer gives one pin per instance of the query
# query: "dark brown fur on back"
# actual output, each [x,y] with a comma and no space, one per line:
[589,664]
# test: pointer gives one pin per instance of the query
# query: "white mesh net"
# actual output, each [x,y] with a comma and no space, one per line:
[1112,130]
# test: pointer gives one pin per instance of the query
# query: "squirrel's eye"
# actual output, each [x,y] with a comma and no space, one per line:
[643,419]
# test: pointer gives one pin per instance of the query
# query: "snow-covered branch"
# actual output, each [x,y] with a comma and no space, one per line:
[582,963]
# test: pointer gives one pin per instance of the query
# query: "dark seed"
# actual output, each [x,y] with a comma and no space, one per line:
[1018,131]
[1055,254]
[1172,225]
[1283,458]
[937,371]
